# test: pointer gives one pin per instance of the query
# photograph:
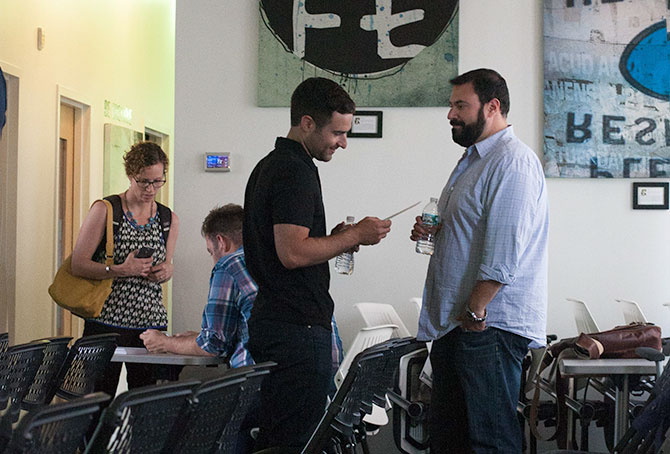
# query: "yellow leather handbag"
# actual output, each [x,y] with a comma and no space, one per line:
[81,296]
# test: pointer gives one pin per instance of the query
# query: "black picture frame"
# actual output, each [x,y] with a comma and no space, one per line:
[366,124]
[646,197]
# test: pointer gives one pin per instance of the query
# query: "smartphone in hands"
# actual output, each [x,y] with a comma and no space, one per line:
[144,252]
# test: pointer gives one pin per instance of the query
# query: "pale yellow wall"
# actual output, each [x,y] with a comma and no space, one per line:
[95,50]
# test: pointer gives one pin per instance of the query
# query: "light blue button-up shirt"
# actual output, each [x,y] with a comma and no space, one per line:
[495,220]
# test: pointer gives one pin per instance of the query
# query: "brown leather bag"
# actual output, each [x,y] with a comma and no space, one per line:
[619,342]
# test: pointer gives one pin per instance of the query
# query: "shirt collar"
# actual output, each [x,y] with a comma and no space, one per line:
[489,144]
[224,259]
[294,148]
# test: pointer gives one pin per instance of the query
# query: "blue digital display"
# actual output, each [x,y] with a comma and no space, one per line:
[217,161]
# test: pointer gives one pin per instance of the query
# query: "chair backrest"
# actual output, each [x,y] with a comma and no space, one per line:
[85,362]
[141,420]
[583,318]
[375,314]
[23,362]
[649,428]
[44,385]
[371,375]
[206,415]
[58,428]
[366,337]
[247,402]
[4,345]
[632,312]
[417,302]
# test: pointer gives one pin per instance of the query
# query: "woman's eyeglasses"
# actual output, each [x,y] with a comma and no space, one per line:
[144,184]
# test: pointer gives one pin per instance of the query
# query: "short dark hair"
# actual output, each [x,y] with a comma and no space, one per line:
[224,221]
[319,97]
[488,84]
[144,154]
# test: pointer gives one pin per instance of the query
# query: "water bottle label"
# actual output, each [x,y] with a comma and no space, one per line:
[430,220]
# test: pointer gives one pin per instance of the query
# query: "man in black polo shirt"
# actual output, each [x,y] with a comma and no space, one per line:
[287,251]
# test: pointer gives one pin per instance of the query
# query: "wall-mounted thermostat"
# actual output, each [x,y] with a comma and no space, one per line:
[217,162]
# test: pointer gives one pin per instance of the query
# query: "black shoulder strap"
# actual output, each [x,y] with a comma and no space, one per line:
[115,200]
[165,216]
[117,218]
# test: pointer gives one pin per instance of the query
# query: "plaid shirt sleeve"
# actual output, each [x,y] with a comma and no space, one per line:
[221,314]
[337,350]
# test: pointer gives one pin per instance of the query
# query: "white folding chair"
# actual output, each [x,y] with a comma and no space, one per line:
[583,318]
[632,312]
[417,302]
[376,314]
[366,337]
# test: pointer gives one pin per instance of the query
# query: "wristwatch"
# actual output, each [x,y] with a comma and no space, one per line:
[473,317]
[107,269]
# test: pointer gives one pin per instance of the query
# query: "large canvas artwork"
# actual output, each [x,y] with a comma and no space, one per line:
[607,88]
[385,52]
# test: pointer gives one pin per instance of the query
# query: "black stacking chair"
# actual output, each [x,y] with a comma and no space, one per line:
[21,365]
[140,420]
[4,345]
[247,404]
[58,428]
[209,411]
[44,385]
[86,360]
[369,377]
[335,432]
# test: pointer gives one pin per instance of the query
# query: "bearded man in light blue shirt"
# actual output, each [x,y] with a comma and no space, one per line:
[485,297]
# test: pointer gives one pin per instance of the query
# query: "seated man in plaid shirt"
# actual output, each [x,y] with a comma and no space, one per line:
[232,292]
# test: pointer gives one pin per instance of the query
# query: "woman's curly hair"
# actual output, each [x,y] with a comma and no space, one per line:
[144,154]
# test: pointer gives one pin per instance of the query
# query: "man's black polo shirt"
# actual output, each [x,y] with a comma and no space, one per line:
[284,188]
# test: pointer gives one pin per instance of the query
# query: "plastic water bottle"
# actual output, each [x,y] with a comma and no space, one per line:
[344,263]
[430,218]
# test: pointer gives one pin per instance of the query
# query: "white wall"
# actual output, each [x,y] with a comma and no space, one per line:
[599,248]
[117,50]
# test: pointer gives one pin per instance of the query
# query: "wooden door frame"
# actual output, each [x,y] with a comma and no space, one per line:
[9,195]
[82,193]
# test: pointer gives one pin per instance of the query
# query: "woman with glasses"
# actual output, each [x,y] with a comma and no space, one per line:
[136,301]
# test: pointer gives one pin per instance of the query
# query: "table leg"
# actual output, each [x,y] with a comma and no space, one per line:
[621,408]
[570,423]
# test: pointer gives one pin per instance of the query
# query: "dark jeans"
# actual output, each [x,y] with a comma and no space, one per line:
[293,396]
[476,380]
[137,374]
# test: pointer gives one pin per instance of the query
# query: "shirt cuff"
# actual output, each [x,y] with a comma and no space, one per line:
[208,341]
[502,275]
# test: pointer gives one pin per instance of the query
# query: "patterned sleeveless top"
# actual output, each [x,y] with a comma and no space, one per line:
[135,302]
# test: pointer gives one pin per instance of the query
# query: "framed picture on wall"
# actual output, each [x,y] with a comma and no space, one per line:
[650,196]
[366,123]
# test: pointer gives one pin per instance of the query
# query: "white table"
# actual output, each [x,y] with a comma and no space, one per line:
[619,368]
[141,355]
